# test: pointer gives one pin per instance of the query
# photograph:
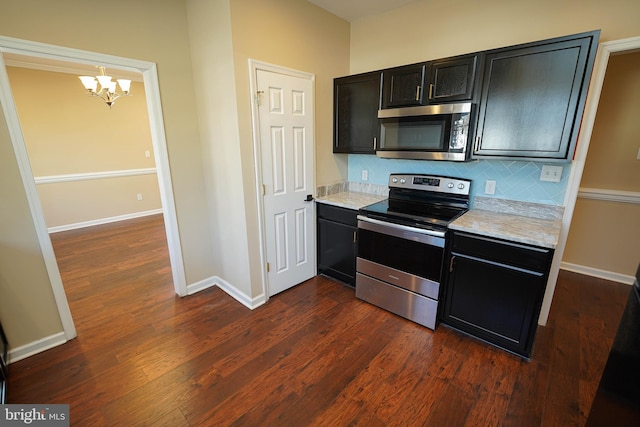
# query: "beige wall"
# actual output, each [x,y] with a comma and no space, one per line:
[298,35]
[211,47]
[150,30]
[224,35]
[606,235]
[431,29]
[27,308]
[68,132]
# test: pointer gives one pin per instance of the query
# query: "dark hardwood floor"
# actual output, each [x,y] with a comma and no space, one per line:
[313,355]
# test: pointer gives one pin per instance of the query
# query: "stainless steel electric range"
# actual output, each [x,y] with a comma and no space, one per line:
[402,241]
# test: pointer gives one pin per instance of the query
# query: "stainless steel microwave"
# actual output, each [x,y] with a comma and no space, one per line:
[430,132]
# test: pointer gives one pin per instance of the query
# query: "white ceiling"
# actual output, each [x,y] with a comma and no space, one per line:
[352,10]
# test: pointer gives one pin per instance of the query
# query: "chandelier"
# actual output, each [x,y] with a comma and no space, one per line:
[107,90]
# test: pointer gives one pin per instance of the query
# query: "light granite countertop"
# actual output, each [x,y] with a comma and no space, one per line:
[350,199]
[516,228]
[521,222]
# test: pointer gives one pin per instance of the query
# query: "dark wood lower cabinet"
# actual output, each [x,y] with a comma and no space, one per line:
[494,290]
[337,237]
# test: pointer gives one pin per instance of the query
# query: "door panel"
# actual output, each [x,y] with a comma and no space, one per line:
[287,150]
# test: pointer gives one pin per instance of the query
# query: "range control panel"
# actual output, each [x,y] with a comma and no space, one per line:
[440,184]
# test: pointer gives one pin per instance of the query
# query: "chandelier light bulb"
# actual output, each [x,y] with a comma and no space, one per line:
[108,88]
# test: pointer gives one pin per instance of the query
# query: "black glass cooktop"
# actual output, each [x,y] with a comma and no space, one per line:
[418,214]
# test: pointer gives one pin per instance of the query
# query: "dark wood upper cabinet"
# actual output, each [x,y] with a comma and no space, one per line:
[452,79]
[533,98]
[403,86]
[356,101]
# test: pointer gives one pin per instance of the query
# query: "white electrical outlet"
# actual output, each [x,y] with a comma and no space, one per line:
[365,175]
[147,153]
[139,196]
[551,173]
[490,187]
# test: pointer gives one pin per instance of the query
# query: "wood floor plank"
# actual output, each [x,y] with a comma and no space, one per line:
[312,355]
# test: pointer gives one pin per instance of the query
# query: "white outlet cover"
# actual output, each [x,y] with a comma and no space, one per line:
[551,173]
[490,187]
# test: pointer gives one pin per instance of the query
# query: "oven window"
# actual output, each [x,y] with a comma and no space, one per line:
[402,254]
[415,133]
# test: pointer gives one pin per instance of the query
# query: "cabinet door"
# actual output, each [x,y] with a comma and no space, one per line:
[356,103]
[494,302]
[452,79]
[532,99]
[403,86]
[337,250]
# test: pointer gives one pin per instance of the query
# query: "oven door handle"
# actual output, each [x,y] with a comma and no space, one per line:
[419,234]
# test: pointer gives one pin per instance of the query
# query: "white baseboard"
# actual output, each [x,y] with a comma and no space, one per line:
[100,221]
[22,352]
[240,296]
[229,289]
[201,285]
[35,347]
[602,274]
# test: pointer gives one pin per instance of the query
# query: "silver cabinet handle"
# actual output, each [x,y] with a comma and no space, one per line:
[418,92]
[375,143]
[431,91]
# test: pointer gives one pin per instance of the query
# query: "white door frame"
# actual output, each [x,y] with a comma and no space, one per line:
[156,122]
[254,66]
[588,119]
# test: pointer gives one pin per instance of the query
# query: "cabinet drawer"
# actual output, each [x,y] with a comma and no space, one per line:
[513,254]
[337,214]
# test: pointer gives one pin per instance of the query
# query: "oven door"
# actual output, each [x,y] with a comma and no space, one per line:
[407,257]
[398,269]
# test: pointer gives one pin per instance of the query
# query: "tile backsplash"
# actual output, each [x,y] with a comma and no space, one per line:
[515,180]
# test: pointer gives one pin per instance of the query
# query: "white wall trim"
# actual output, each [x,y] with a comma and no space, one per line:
[35,347]
[207,283]
[52,179]
[240,296]
[229,289]
[595,272]
[577,167]
[609,195]
[101,221]
[69,68]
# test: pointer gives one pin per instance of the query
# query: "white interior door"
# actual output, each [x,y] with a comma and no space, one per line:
[287,156]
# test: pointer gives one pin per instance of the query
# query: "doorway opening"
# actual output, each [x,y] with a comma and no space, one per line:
[605,50]
[44,52]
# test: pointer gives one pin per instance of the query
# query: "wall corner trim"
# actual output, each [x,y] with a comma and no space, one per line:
[35,347]
[240,296]
[229,289]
